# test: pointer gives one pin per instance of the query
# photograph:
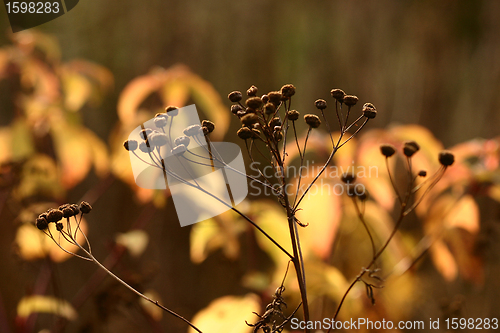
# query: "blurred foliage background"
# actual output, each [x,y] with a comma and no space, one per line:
[428,63]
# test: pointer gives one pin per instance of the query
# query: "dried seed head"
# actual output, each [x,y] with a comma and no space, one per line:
[41,223]
[422,173]
[275,122]
[277,135]
[54,215]
[410,148]
[209,125]
[255,132]
[205,130]
[320,104]
[252,91]
[130,145]
[182,140]
[75,208]
[338,94]
[160,120]
[158,139]
[144,134]
[245,133]
[179,150]
[235,96]
[362,196]
[387,150]
[293,115]
[369,110]
[348,178]
[67,212]
[254,102]
[446,158]
[312,120]
[288,90]
[350,100]
[275,97]
[172,111]
[59,226]
[269,108]
[241,113]
[85,207]
[235,108]
[249,119]
[193,130]
[143,146]
[265,98]
[63,206]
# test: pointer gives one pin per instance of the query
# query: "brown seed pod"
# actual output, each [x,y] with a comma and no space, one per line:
[288,90]
[245,133]
[320,104]
[235,96]
[54,215]
[130,145]
[249,119]
[410,148]
[252,91]
[312,120]
[338,94]
[144,134]
[172,111]
[350,100]
[209,125]
[85,207]
[369,111]
[193,130]
[387,150]
[275,122]
[293,115]
[254,102]
[179,150]
[235,108]
[446,158]
[278,136]
[275,97]
[41,223]
[348,177]
[265,98]
[59,226]
[67,212]
[182,140]
[143,146]
[158,139]
[75,208]
[269,108]
[160,121]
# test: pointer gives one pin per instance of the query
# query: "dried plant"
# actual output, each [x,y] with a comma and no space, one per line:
[268,122]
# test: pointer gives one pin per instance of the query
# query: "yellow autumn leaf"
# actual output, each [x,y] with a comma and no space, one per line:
[77,90]
[154,311]
[45,304]
[135,241]
[321,212]
[221,231]
[33,244]
[228,314]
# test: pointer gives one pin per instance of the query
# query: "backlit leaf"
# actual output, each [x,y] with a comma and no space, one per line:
[135,241]
[45,304]
[228,314]
[33,244]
